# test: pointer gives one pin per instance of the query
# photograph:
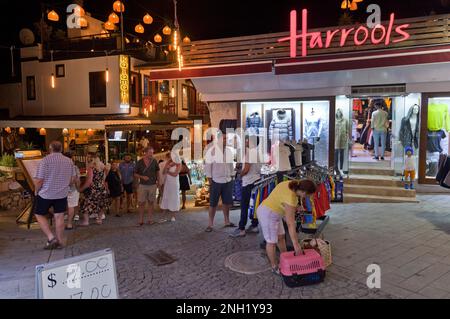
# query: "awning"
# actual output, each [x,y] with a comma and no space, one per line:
[69,124]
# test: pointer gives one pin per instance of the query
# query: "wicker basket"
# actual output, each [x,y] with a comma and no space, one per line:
[323,247]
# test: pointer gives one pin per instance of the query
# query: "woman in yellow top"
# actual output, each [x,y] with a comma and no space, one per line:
[282,203]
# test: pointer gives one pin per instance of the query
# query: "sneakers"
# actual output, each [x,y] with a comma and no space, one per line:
[376,158]
[237,233]
[411,186]
[172,219]
[382,158]
[76,218]
[406,186]
[252,229]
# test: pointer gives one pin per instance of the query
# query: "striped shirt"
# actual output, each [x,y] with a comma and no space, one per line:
[56,171]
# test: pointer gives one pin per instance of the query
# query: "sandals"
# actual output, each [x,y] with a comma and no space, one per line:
[208,229]
[230,225]
[51,244]
[151,222]
[276,271]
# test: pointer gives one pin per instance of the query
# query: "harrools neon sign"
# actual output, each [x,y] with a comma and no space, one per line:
[124,82]
[360,36]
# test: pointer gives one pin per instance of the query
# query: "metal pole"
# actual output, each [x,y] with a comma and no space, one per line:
[122,46]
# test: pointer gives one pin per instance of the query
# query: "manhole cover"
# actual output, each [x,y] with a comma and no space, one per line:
[160,258]
[247,262]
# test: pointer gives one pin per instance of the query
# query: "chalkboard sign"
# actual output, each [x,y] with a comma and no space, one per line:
[89,276]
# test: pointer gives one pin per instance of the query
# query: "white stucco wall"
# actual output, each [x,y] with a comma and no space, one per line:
[71,93]
[222,111]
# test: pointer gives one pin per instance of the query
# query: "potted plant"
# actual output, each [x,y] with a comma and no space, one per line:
[7,163]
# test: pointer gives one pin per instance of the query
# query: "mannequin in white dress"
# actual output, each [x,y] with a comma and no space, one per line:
[171,195]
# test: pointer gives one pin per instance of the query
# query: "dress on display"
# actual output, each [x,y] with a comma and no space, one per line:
[341,138]
[171,197]
[313,129]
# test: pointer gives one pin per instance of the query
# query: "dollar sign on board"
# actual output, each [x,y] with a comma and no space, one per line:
[52,280]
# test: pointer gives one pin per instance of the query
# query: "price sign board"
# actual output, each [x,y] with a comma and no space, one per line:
[89,276]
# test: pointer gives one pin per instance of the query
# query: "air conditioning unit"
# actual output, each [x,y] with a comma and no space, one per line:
[378,90]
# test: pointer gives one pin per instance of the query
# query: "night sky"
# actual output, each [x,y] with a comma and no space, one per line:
[206,19]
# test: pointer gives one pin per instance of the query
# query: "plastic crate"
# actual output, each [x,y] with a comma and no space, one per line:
[304,269]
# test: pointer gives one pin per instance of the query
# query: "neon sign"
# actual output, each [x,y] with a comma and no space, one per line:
[124,67]
[361,35]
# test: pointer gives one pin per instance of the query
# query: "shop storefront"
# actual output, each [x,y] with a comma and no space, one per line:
[326,88]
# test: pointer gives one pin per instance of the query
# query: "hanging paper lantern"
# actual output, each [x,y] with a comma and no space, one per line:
[109,26]
[345,4]
[353,6]
[139,28]
[158,38]
[21,131]
[53,16]
[118,6]
[167,30]
[148,19]
[114,18]
[42,131]
[83,22]
[186,40]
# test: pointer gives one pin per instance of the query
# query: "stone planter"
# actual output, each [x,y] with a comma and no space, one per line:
[4,185]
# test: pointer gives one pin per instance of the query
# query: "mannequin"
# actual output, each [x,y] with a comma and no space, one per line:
[341,139]
[313,127]
[280,125]
[409,128]
[254,123]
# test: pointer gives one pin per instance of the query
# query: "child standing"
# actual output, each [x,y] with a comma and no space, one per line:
[114,183]
[410,167]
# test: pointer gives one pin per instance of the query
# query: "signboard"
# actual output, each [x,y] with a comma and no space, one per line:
[89,276]
[124,79]
[360,35]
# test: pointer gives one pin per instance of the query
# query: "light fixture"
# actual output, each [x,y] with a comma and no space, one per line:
[90,132]
[127,40]
[107,75]
[65,132]
[345,4]
[158,38]
[53,16]
[52,81]
[42,131]
[159,96]
[186,40]
[109,26]
[173,92]
[8,130]
[21,131]
[148,19]
[114,18]
[353,6]
[167,30]
[83,22]
[118,6]
[139,28]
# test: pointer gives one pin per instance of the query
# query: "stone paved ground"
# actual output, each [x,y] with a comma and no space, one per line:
[411,243]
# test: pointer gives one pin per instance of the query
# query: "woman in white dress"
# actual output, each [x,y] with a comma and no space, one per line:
[171,197]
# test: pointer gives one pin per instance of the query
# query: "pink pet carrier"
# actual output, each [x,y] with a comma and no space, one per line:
[304,269]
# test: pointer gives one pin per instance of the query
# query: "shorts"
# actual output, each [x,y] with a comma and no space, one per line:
[42,205]
[146,193]
[271,224]
[128,188]
[224,190]
[411,174]
[73,199]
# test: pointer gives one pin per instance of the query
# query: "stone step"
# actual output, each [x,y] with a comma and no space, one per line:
[371,171]
[357,198]
[387,191]
[372,181]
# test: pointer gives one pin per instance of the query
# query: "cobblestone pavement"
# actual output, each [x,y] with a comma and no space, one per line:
[411,243]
